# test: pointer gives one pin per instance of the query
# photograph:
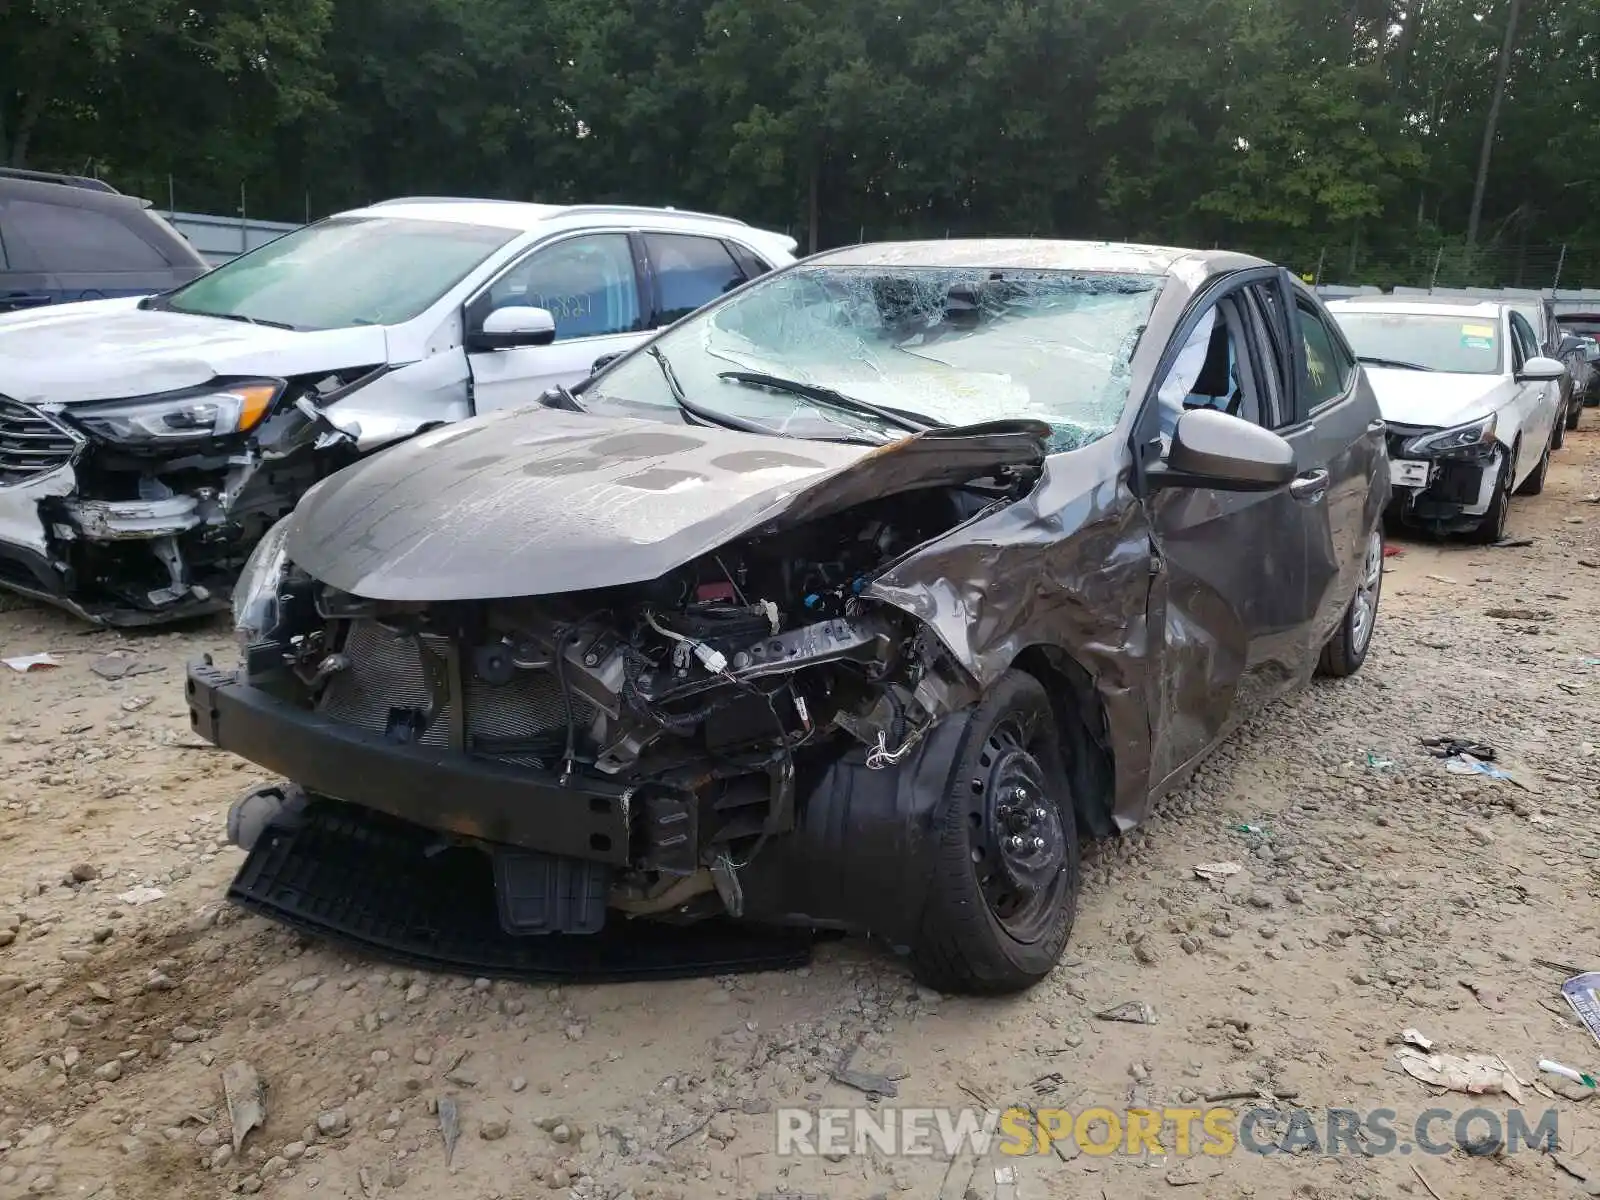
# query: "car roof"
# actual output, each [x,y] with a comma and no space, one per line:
[1038,254]
[60,190]
[1439,306]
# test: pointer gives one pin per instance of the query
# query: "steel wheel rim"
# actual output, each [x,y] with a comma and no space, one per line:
[1017,837]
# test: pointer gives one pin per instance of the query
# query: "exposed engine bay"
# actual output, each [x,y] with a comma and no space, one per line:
[146,517]
[702,690]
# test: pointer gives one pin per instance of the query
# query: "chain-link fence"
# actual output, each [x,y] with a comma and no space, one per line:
[1424,261]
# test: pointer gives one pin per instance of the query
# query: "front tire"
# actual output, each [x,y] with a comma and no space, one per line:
[1493,526]
[1347,649]
[1004,890]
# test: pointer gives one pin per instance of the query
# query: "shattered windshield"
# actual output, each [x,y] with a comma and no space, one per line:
[341,272]
[935,345]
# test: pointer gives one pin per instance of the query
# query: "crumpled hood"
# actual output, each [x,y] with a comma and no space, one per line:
[1436,399]
[539,501]
[110,349]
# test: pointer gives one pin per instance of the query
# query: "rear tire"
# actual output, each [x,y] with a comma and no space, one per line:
[1347,648]
[1000,910]
[1534,483]
[1574,415]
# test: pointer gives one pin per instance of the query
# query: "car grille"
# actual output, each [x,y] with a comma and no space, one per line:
[386,678]
[31,443]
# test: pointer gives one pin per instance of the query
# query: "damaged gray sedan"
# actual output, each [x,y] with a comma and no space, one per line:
[846,603]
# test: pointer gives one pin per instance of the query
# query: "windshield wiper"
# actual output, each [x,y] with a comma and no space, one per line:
[242,317]
[1398,363]
[705,416]
[910,422]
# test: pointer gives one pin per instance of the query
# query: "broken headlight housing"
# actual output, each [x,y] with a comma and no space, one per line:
[255,596]
[1475,440]
[195,414]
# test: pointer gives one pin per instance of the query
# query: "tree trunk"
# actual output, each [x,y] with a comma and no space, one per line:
[1490,127]
[32,110]
[813,205]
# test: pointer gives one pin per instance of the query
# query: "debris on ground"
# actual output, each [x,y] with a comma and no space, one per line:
[138,896]
[449,1126]
[1518,614]
[28,662]
[246,1100]
[1492,1000]
[1048,1085]
[870,1082]
[1469,764]
[1576,1076]
[1256,830]
[1377,762]
[1442,579]
[1512,543]
[1134,1012]
[1582,993]
[1575,1167]
[1450,746]
[1474,1074]
[1212,872]
[121,666]
[1412,1037]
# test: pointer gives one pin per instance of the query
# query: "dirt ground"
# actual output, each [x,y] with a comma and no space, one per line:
[1375,888]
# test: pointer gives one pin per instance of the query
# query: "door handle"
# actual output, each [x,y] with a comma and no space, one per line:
[1311,487]
[23,300]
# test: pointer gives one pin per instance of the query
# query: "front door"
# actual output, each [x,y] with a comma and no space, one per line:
[1236,576]
[590,285]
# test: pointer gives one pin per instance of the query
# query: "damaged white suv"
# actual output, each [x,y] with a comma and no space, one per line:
[146,444]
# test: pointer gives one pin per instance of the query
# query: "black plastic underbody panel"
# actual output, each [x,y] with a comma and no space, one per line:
[370,880]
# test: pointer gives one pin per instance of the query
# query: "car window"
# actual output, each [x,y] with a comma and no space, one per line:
[58,237]
[690,272]
[1212,371]
[1522,334]
[586,283]
[343,271]
[752,264]
[1325,370]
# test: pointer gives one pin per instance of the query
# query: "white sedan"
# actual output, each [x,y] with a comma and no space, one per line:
[1472,408]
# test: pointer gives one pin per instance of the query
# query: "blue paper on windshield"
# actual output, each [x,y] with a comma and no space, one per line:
[1583,994]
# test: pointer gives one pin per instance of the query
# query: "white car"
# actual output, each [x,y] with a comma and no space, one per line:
[146,444]
[1472,407]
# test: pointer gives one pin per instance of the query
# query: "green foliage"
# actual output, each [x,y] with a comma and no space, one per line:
[1298,124]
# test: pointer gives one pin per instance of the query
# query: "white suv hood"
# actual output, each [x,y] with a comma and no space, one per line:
[1437,399]
[110,349]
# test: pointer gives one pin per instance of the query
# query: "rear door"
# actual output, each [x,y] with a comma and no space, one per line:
[1338,425]
[90,251]
[688,271]
[23,284]
[1238,579]
[1538,404]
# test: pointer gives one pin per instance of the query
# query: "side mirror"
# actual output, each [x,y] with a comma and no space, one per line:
[1213,449]
[1569,345]
[513,326]
[1541,370]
